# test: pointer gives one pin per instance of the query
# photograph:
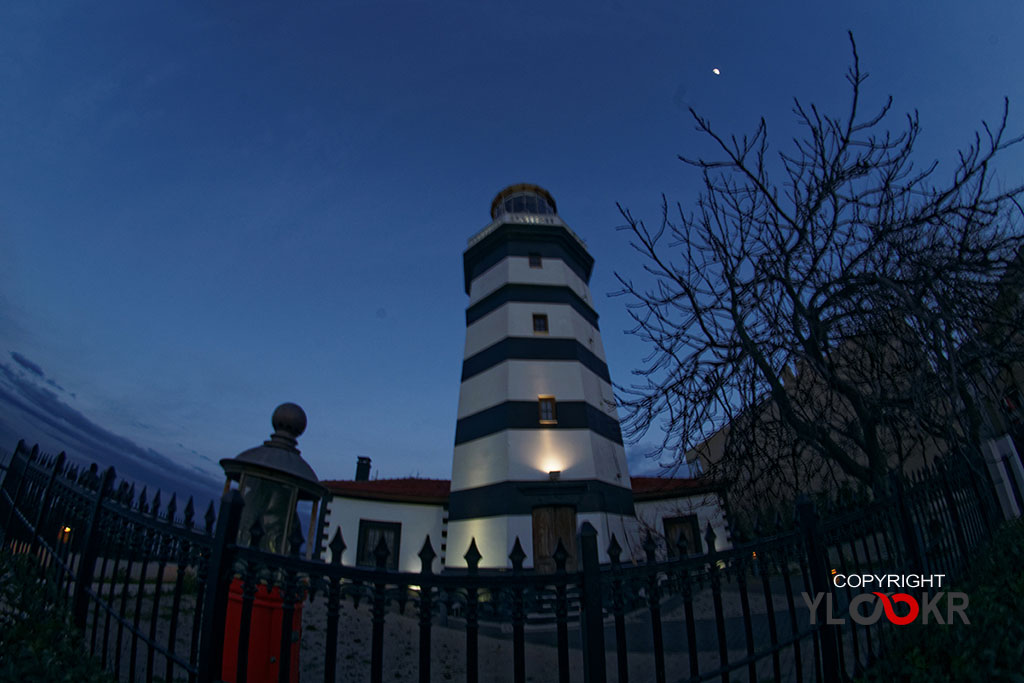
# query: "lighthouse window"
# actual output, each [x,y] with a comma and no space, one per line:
[548,414]
[535,260]
[540,323]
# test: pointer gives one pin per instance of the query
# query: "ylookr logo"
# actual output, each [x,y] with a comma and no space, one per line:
[928,608]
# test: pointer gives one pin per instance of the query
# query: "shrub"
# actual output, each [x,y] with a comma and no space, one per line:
[37,640]
[991,647]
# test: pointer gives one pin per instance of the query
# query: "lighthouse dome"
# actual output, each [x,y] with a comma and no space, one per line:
[523,198]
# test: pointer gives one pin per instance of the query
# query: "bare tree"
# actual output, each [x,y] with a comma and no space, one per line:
[830,311]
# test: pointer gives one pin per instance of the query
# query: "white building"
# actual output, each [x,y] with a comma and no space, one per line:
[406,511]
[538,448]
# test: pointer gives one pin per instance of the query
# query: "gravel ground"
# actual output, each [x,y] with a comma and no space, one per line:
[401,642]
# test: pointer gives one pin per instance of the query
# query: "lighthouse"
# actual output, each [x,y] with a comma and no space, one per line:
[538,447]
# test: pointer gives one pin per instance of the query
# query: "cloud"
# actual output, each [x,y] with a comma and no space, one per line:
[649,459]
[27,364]
[34,411]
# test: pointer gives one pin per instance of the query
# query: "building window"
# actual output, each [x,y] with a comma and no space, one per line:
[535,261]
[686,527]
[540,323]
[370,533]
[548,414]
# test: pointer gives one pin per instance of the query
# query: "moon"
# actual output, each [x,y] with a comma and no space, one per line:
[716,71]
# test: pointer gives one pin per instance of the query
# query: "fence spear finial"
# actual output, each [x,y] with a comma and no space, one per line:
[210,518]
[337,546]
[472,555]
[381,552]
[427,556]
[172,507]
[518,555]
[709,538]
[614,550]
[650,546]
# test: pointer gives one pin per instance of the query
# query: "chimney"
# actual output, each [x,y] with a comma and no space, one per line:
[362,468]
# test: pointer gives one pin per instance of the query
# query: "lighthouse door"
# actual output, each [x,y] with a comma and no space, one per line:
[550,523]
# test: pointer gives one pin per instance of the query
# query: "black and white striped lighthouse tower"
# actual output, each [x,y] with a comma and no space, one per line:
[538,449]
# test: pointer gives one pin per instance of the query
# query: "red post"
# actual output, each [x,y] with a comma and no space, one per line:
[264,636]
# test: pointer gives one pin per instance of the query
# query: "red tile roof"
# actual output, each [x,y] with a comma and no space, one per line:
[656,488]
[435,491]
[408,490]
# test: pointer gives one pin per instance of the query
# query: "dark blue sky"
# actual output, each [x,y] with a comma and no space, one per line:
[209,208]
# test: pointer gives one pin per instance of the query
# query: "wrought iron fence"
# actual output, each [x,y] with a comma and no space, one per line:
[161,595]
